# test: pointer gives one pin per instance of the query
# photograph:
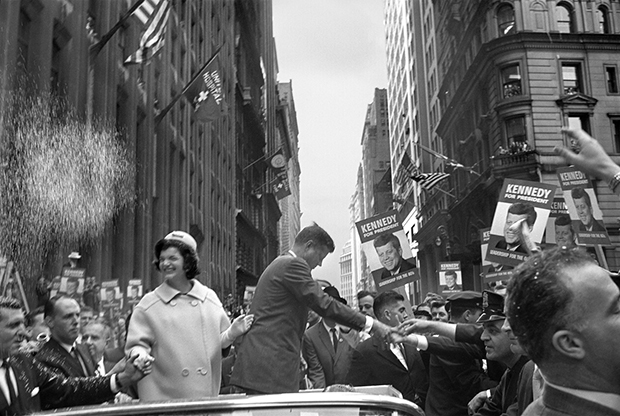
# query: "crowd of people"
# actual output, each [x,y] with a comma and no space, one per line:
[549,347]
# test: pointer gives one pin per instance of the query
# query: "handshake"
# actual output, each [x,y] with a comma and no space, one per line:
[402,333]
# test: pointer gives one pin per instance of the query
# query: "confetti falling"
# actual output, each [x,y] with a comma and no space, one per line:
[61,180]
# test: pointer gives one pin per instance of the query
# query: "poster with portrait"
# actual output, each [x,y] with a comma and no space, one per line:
[559,225]
[55,286]
[72,283]
[518,201]
[110,294]
[495,276]
[583,207]
[450,277]
[387,250]
[134,291]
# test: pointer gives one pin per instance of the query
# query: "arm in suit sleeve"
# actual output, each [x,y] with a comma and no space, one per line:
[469,333]
[300,283]
[444,346]
[315,369]
[59,391]
[493,405]
[359,373]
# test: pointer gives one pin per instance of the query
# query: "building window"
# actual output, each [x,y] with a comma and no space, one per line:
[571,78]
[615,123]
[516,135]
[564,16]
[602,15]
[505,20]
[611,76]
[579,121]
[511,81]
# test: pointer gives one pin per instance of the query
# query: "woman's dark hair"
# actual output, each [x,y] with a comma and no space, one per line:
[190,258]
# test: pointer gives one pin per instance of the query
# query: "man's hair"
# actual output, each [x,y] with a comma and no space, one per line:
[383,239]
[431,296]
[363,293]
[450,273]
[190,257]
[86,309]
[107,331]
[577,193]
[521,208]
[316,234]
[563,219]
[539,302]
[50,305]
[34,312]
[9,303]
[437,303]
[386,299]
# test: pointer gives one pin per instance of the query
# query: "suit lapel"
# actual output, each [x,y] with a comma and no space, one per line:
[385,351]
[325,338]
[87,358]
[67,359]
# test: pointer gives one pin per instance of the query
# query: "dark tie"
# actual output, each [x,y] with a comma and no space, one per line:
[334,339]
[9,383]
[76,355]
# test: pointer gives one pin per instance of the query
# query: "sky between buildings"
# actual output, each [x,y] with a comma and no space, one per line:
[334,53]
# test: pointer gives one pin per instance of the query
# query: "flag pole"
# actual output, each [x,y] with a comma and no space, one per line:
[94,49]
[165,111]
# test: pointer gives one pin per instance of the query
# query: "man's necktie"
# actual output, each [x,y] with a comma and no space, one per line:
[9,382]
[334,339]
[76,355]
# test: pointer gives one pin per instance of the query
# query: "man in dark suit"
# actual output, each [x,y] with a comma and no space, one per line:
[96,336]
[390,255]
[61,353]
[269,355]
[30,386]
[376,362]
[455,370]
[326,352]
[564,310]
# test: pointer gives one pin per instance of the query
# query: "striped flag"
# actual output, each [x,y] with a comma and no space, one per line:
[429,180]
[154,15]
[405,169]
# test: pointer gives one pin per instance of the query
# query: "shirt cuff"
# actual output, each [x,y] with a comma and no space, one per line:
[422,342]
[368,325]
[114,385]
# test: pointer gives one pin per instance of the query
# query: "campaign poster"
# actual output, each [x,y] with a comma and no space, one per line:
[72,283]
[450,277]
[560,229]
[387,250]
[583,207]
[55,286]
[494,274]
[518,200]
[134,291]
[110,294]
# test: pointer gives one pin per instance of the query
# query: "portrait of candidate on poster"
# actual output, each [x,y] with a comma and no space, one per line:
[72,287]
[387,250]
[110,294]
[519,201]
[491,272]
[560,230]
[134,291]
[450,279]
[583,208]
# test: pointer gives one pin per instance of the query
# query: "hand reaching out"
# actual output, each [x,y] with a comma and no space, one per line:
[592,158]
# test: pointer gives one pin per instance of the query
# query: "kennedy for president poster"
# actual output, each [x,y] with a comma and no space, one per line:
[524,201]
[387,249]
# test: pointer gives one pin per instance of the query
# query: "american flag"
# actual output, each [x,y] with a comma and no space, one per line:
[154,15]
[429,180]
